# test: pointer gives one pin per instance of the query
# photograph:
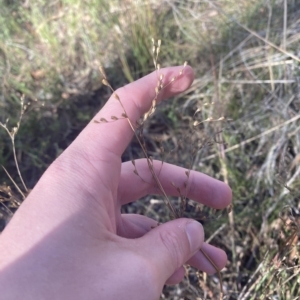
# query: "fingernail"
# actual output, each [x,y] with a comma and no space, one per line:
[195,235]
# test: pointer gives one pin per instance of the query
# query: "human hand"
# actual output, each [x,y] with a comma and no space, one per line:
[69,240]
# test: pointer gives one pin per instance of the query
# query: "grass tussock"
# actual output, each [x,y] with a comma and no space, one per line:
[239,122]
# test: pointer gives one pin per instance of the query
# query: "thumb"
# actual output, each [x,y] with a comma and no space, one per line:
[171,245]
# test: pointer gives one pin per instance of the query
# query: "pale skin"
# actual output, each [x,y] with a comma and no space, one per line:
[68,240]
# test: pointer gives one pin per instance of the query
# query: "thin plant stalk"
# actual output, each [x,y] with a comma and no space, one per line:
[12,135]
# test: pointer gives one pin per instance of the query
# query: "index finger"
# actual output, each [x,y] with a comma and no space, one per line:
[114,136]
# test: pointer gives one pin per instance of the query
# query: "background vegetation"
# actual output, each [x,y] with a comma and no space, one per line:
[246,58]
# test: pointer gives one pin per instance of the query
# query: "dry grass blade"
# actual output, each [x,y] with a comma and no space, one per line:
[15,184]
[291,55]
[12,135]
[243,143]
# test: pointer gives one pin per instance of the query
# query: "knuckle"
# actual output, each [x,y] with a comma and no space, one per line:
[174,246]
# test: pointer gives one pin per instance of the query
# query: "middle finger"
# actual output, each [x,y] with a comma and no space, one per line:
[137,181]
